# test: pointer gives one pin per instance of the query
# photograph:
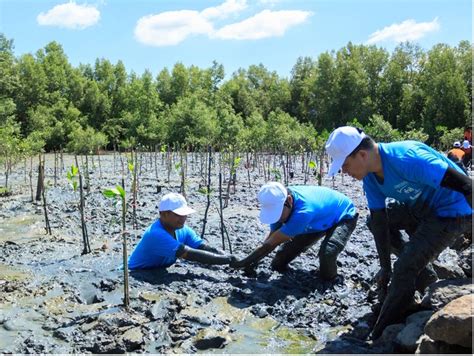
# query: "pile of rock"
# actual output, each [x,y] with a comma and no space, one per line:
[444,324]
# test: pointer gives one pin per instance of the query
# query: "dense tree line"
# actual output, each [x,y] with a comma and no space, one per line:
[408,93]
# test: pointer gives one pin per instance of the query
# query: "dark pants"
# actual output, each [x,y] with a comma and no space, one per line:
[429,235]
[335,239]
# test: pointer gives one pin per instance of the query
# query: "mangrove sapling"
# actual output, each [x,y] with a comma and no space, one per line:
[85,235]
[247,167]
[40,181]
[207,191]
[221,215]
[132,168]
[234,163]
[118,194]
[45,208]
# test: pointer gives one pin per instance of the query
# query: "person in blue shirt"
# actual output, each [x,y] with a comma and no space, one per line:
[300,216]
[168,238]
[409,186]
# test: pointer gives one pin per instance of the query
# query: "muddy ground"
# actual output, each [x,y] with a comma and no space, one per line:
[55,300]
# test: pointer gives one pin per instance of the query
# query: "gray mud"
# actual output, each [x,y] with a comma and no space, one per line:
[55,300]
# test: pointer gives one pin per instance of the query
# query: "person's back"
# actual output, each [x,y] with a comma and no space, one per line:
[316,209]
[410,177]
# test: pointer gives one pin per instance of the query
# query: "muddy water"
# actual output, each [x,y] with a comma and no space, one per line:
[55,300]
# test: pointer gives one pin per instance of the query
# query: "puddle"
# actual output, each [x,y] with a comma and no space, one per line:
[21,229]
[8,273]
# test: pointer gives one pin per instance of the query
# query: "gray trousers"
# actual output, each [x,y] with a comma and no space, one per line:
[335,239]
[429,235]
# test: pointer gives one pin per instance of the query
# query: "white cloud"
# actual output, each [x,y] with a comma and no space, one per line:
[263,25]
[408,30]
[70,15]
[225,9]
[170,28]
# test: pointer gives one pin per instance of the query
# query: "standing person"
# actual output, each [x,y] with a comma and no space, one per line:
[299,216]
[456,154]
[168,238]
[431,200]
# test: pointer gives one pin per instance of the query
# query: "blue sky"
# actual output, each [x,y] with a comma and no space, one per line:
[153,34]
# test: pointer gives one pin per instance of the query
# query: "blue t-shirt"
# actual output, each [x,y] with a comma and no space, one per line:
[157,248]
[315,209]
[413,173]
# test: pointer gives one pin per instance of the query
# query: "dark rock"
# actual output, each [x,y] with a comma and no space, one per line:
[213,342]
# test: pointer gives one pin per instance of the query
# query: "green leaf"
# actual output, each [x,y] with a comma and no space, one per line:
[177,166]
[69,176]
[120,191]
[74,185]
[110,193]
[130,167]
[163,149]
[312,164]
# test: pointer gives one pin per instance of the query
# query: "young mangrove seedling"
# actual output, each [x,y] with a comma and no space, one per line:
[118,194]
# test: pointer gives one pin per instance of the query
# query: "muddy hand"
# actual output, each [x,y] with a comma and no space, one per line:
[235,263]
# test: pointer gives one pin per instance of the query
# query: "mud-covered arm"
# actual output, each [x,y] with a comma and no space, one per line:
[208,258]
[459,182]
[270,243]
[379,227]
[206,247]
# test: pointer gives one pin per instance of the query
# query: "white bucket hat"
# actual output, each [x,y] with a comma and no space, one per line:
[340,144]
[176,203]
[271,197]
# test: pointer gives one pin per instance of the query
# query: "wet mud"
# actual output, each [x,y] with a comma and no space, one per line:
[55,300]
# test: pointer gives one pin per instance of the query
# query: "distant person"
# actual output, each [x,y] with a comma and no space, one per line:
[467,148]
[431,199]
[168,239]
[456,154]
[299,216]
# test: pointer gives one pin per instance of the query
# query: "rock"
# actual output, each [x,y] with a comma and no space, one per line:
[65,334]
[447,265]
[214,342]
[428,346]
[133,338]
[441,293]
[407,338]
[465,260]
[453,323]
[389,335]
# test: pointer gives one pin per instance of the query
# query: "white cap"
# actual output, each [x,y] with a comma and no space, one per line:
[271,196]
[466,144]
[457,144]
[340,144]
[176,203]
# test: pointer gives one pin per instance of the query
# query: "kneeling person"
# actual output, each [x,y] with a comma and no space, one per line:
[299,216]
[168,238]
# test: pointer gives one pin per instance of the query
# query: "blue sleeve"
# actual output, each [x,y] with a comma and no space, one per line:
[375,198]
[275,226]
[424,166]
[296,225]
[192,239]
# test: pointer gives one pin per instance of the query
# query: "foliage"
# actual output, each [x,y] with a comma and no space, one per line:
[407,93]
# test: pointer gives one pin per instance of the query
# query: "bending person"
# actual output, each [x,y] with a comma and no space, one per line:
[300,216]
[431,200]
